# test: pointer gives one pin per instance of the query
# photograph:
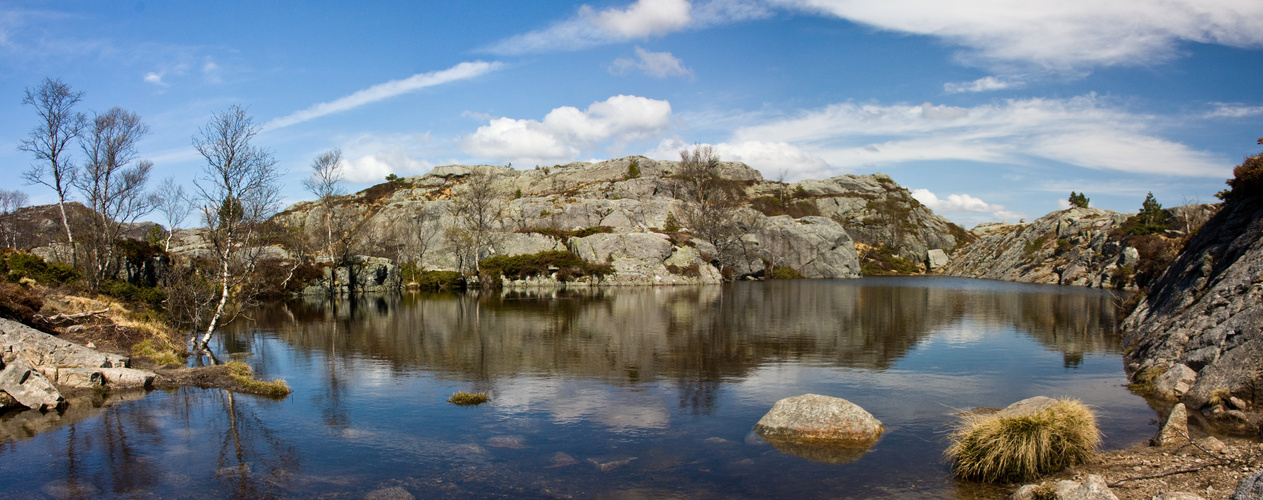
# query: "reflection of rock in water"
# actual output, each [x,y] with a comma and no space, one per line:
[698,337]
[823,453]
[20,425]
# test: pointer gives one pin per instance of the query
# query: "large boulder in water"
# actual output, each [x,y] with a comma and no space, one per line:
[820,428]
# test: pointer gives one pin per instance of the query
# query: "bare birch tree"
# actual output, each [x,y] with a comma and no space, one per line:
[479,206]
[174,205]
[48,141]
[113,188]
[714,212]
[239,190]
[325,182]
[10,201]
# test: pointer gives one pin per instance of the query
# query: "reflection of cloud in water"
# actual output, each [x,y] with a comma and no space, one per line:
[568,403]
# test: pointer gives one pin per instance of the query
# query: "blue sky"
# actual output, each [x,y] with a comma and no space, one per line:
[988,109]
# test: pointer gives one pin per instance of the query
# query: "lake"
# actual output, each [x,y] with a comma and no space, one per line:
[614,393]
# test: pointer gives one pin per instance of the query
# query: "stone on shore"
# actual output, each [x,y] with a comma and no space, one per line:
[28,387]
[1093,487]
[1175,429]
[1250,488]
[1173,383]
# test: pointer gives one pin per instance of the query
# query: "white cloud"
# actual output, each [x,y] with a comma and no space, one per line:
[371,157]
[566,131]
[1060,35]
[386,90]
[655,64]
[156,79]
[984,84]
[1227,110]
[642,19]
[1082,131]
[958,204]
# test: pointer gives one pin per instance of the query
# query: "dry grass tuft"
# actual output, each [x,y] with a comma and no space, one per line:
[244,376]
[466,399]
[996,448]
[160,350]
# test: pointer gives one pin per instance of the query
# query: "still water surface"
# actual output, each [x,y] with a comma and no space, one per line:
[622,393]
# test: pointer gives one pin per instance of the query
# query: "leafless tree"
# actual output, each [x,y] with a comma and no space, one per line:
[10,201]
[174,205]
[239,190]
[325,183]
[113,188]
[479,206]
[48,141]
[714,212]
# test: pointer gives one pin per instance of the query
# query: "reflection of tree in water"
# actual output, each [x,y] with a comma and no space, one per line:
[252,460]
[696,336]
[126,451]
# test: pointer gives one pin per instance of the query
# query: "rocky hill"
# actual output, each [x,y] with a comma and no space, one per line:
[1197,336]
[1077,246]
[634,215]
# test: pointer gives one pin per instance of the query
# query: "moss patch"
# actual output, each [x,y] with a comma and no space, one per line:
[468,398]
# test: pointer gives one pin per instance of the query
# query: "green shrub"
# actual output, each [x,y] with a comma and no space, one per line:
[996,448]
[128,292]
[691,270]
[1247,179]
[568,266]
[671,225]
[880,260]
[786,273]
[1078,200]
[24,265]
[771,206]
[1033,246]
[440,281]
[633,169]
[18,303]
[563,235]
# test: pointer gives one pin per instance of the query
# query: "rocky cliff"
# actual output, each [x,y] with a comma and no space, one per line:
[1077,246]
[630,213]
[1197,335]
[1067,247]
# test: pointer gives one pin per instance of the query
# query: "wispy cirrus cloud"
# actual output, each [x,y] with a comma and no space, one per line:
[382,91]
[984,84]
[655,64]
[1233,110]
[1058,35]
[1083,131]
[640,20]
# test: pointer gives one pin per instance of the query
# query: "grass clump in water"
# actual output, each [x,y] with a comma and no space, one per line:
[468,398]
[995,447]
[244,376]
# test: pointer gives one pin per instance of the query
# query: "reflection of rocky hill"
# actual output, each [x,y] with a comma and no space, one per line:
[694,335]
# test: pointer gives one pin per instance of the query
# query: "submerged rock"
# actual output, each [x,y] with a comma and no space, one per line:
[820,428]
